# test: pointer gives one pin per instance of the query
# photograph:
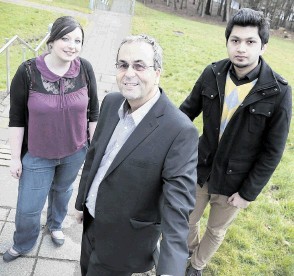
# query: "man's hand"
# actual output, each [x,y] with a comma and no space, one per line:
[237,201]
[79,216]
[15,167]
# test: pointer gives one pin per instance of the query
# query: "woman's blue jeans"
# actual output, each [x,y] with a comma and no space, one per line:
[41,178]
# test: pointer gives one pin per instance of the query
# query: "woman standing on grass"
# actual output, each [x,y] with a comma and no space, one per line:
[53,114]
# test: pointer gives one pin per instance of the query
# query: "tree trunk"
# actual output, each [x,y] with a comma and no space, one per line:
[291,26]
[287,12]
[220,7]
[225,11]
[207,8]
[211,7]
[175,5]
[266,9]
[273,14]
[203,7]
[228,10]
[199,4]
[181,6]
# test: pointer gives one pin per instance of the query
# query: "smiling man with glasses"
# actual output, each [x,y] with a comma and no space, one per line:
[138,181]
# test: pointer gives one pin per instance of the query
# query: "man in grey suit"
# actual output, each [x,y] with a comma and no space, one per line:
[138,181]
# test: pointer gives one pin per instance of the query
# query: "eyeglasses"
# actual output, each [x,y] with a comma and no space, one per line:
[124,66]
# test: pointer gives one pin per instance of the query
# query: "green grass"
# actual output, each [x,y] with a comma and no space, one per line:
[260,241]
[76,5]
[27,23]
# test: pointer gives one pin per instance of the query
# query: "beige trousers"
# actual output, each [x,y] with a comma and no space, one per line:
[221,215]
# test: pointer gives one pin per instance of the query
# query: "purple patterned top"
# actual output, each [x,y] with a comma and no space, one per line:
[57,111]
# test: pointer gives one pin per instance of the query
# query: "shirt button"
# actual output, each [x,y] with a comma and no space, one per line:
[253,110]
[230,171]
[263,94]
[211,96]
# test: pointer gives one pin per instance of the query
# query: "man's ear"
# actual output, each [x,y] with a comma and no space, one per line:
[263,48]
[158,73]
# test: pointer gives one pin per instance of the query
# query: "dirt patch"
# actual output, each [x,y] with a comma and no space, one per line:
[283,33]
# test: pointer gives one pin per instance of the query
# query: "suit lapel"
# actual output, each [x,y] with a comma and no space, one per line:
[142,131]
[105,130]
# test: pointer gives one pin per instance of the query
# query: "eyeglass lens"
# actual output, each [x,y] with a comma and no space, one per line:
[136,66]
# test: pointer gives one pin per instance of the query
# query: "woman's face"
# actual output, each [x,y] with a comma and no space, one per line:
[68,47]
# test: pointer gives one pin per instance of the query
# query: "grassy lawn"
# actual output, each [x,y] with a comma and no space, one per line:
[76,5]
[28,23]
[260,242]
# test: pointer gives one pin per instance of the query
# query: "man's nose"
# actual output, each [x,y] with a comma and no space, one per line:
[130,71]
[242,47]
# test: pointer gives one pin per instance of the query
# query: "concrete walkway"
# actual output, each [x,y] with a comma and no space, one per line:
[104,33]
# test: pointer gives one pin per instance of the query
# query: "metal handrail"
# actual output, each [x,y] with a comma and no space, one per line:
[10,42]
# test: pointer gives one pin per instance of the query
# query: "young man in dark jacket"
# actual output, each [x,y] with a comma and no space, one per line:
[246,115]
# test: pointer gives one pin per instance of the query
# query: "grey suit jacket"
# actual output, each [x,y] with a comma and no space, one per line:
[148,190]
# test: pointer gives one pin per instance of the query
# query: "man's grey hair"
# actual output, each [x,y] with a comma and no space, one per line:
[157,59]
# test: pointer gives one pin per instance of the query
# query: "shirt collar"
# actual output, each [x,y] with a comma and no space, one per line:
[141,112]
[252,75]
[72,72]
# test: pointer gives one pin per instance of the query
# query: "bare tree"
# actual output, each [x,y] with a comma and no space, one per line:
[228,10]
[219,11]
[225,10]
[254,4]
[287,12]
[175,5]
[183,4]
[207,8]
[211,7]
[201,7]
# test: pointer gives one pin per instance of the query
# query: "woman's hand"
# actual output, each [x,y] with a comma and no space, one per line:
[79,216]
[16,135]
[15,167]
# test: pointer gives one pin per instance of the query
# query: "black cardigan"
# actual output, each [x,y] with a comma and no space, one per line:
[19,93]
